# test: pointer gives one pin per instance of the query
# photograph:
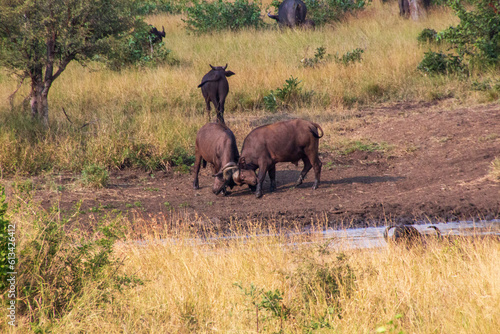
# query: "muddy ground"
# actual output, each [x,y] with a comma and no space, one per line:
[435,167]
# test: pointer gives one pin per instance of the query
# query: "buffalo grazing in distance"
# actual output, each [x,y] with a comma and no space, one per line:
[407,235]
[215,87]
[286,141]
[156,35]
[216,144]
[292,13]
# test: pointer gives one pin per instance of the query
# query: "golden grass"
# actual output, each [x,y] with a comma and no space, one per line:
[162,107]
[189,286]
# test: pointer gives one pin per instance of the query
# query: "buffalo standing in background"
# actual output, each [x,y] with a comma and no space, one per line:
[291,13]
[216,144]
[214,87]
[287,141]
[156,35]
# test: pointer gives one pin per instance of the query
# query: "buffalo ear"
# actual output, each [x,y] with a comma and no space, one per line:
[229,73]
[241,163]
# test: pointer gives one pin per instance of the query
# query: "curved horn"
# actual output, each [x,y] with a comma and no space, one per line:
[211,66]
[236,176]
[225,67]
[228,167]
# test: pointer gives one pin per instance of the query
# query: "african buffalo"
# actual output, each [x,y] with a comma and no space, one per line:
[214,87]
[156,35]
[291,13]
[287,141]
[215,143]
[408,235]
[403,233]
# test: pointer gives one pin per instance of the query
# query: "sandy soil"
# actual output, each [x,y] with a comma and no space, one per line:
[437,170]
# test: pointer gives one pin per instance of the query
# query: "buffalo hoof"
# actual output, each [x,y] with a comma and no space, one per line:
[196,187]
[299,181]
[258,194]
[315,185]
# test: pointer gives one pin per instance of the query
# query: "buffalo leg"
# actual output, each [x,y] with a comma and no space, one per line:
[260,180]
[220,111]
[317,173]
[272,178]
[316,163]
[305,170]
[207,109]
[197,164]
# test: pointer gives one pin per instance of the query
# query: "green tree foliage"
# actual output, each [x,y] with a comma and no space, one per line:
[38,39]
[477,36]
[205,16]
[145,7]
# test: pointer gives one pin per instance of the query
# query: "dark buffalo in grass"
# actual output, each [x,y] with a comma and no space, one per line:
[291,13]
[215,87]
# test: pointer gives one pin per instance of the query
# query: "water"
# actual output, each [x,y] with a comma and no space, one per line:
[358,238]
[372,237]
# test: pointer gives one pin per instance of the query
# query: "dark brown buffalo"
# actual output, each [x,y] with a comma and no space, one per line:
[291,13]
[408,235]
[156,35]
[216,144]
[287,141]
[403,233]
[214,87]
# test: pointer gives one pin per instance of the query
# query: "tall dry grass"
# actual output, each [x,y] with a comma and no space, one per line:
[189,285]
[154,111]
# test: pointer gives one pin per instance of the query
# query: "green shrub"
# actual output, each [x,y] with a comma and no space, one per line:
[205,16]
[95,176]
[349,57]
[291,93]
[320,56]
[145,7]
[439,63]
[477,37]
[427,36]
[137,49]
[56,266]
[328,11]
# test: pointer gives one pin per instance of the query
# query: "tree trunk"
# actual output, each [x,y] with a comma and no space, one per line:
[417,9]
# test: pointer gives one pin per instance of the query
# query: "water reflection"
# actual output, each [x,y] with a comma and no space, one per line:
[372,237]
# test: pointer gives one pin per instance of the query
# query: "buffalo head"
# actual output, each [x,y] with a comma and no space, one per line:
[231,175]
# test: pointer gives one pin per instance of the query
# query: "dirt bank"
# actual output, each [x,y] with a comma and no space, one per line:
[436,168]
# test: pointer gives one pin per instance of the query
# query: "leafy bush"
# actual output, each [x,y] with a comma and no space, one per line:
[350,57]
[205,16]
[477,37]
[328,11]
[137,49]
[439,63]
[290,93]
[145,7]
[427,36]
[319,57]
[55,267]
[95,176]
